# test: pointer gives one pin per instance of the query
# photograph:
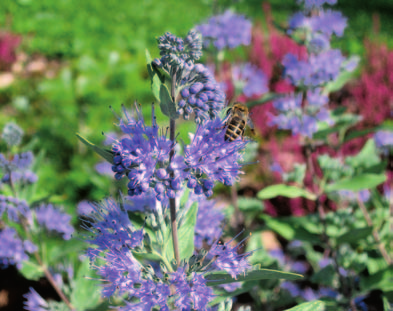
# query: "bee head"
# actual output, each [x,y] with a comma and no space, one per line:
[240,107]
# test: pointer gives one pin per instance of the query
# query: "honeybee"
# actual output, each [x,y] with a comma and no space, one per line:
[237,121]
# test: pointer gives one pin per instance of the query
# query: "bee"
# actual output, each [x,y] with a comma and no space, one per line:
[237,121]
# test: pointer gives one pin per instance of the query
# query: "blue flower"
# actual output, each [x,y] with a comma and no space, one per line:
[351,196]
[16,209]
[209,157]
[18,167]
[111,227]
[384,141]
[251,80]
[54,220]
[199,94]
[190,291]
[318,70]
[228,259]
[298,119]
[178,53]
[12,134]
[35,302]
[315,4]
[209,222]
[228,30]
[13,251]
[327,22]
[142,155]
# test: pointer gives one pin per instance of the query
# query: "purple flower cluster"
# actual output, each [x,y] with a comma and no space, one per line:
[227,30]
[209,158]
[318,70]
[384,141]
[114,239]
[351,196]
[112,228]
[301,119]
[54,220]
[308,293]
[13,251]
[315,4]
[228,259]
[321,66]
[18,169]
[12,134]
[200,94]
[326,22]
[250,79]
[177,52]
[143,157]
[16,209]
[35,302]
[209,222]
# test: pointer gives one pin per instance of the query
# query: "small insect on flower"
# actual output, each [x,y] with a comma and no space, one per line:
[238,117]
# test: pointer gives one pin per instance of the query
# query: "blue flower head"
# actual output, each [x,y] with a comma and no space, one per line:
[228,259]
[12,134]
[35,302]
[209,222]
[13,251]
[16,209]
[298,119]
[18,170]
[54,220]
[315,4]
[199,94]
[384,141]
[209,158]
[177,52]
[227,30]
[252,80]
[143,157]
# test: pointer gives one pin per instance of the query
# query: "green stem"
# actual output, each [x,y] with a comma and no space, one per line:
[172,202]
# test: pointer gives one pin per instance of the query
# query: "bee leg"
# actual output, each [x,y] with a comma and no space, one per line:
[222,127]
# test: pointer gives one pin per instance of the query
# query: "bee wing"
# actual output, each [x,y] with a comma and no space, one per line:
[251,126]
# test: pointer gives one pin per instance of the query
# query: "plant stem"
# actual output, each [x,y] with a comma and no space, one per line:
[239,219]
[172,202]
[346,290]
[46,271]
[37,255]
[377,239]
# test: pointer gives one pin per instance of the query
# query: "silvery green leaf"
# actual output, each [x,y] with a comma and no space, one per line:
[105,153]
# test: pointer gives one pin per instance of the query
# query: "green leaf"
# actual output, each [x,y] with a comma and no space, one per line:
[106,154]
[57,250]
[264,99]
[185,234]
[86,292]
[357,183]
[250,204]
[382,280]
[285,191]
[167,106]
[156,79]
[325,276]
[31,271]
[222,277]
[341,80]
[355,235]
[357,133]
[309,306]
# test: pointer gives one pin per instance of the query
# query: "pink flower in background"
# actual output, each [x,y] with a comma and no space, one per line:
[8,44]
